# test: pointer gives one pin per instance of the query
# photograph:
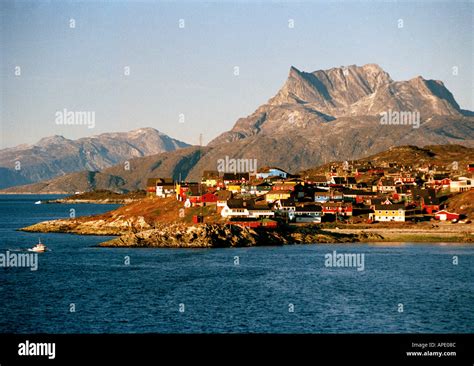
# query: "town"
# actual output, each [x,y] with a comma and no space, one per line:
[360,192]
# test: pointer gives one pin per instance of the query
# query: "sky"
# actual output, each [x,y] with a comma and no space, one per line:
[183,81]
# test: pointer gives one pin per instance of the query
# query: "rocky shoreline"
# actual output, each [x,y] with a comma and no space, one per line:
[110,201]
[222,236]
[147,224]
[136,232]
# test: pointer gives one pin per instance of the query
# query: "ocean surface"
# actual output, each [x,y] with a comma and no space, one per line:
[403,287]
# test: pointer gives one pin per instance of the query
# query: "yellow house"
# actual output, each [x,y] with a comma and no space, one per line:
[210,178]
[394,212]
[210,182]
[273,196]
[293,182]
[234,188]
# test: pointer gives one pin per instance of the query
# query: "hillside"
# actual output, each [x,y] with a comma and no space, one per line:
[462,203]
[441,156]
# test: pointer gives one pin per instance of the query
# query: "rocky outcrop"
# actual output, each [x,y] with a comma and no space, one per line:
[117,225]
[137,232]
[199,236]
[223,236]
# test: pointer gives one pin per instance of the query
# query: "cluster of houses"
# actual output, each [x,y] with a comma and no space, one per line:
[272,195]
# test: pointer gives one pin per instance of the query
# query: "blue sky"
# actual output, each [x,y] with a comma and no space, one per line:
[190,70]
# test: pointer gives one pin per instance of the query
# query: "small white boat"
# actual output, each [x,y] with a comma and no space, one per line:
[38,248]
[38,203]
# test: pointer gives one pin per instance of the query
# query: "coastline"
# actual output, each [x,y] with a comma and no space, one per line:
[137,232]
[156,222]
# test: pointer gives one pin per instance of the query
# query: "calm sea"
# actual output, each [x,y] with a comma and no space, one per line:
[79,288]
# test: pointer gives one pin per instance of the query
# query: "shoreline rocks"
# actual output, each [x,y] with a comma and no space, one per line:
[137,232]
[117,225]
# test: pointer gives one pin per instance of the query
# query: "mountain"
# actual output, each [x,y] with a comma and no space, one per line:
[315,118]
[336,114]
[307,100]
[56,156]
[174,164]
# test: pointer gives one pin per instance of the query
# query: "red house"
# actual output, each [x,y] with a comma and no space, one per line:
[344,209]
[209,198]
[253,223]
[430,204]
[444,215]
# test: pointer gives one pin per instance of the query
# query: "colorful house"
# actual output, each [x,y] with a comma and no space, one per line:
[308,213]
[277,195]
[430,204]
[339,208]
[461,185]
[322,197]
[246,208]
[444,215]
[393,212]
[385,185]
[235,178]
[234,188]
[210,178]
[268,172]
[160,187]
[253,222]
[260,188]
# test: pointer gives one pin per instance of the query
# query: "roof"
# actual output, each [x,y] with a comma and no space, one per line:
[323,193]
[266,169]
[388,182]
[309,208]
[431,200]
[287,202]
[159,181]
[194,191]
[318,178]
[440,176]
[260,206]
[210,174]
[263,184]
[223,195]
[339,180]
[337,204]
[446,212]
[236,176]
[358,192]
[240,203]
[280,192]
[392,207]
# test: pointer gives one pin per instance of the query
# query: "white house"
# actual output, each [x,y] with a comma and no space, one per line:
[461,185]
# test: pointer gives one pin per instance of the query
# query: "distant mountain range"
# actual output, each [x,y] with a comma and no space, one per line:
[318,117]
[57,156]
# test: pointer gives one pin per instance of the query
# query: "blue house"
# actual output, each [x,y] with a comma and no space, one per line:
[322,197]
[268,172]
